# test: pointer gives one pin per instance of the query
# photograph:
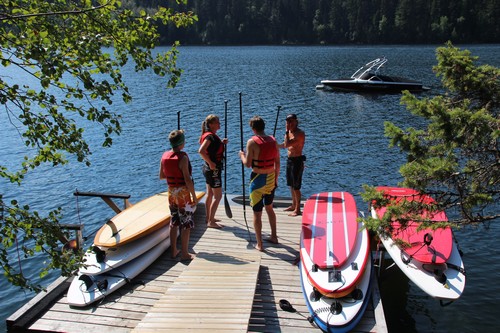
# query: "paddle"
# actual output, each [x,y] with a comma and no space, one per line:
[243,171]
[276,122]
[178,120]
[226,203]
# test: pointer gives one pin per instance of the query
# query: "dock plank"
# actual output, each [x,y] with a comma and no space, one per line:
[277,278]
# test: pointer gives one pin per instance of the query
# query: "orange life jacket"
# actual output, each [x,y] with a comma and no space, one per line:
[170,165]
[267,152]
[216,148]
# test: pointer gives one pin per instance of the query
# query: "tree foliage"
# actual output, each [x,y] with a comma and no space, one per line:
[339,22]
[73,49]
[456,157]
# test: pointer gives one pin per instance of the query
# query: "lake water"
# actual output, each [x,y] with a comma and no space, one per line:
[345,148]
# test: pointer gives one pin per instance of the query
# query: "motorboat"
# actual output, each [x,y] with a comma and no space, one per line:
[368,79]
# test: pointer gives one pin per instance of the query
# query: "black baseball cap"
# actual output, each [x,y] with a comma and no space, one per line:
[291,116]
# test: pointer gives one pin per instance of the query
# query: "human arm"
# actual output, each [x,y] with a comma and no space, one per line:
[162,174]
[247,158]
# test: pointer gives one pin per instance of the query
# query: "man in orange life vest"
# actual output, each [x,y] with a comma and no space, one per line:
[263,157]
[175,167]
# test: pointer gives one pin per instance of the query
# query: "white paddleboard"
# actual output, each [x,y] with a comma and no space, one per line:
[325,311]
[86,289]
[119,255]
[423,274]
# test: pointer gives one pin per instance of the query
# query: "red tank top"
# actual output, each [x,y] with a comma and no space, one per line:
[170,165]
[267,151]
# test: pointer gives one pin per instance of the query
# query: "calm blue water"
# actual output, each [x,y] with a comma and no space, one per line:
[345,147]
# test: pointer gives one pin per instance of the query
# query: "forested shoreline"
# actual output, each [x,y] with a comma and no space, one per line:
[223,22]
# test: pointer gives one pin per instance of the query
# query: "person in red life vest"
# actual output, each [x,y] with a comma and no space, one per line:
[175,167]
[263,157]
[294,143]
[212,152]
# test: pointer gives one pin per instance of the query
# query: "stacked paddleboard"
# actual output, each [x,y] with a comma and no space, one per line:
[430,258]
[123,247]
[335,264]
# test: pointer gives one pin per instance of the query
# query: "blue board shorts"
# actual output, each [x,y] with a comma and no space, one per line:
[262,188]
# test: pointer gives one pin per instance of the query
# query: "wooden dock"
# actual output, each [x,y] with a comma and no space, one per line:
[229,287]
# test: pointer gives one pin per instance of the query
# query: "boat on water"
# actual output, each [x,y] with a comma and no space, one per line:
[369,79]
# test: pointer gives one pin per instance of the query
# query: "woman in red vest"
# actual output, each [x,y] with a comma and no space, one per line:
[212,152]
[175,167]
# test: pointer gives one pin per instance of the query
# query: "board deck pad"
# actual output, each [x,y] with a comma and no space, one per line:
[440,247]
[136,221]
[329,228]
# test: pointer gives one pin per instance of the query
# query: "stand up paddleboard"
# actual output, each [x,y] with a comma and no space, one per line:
[334,250]
[100,260]
[335,263]
[136,221]
[86,289]
[337,315]
[430,258]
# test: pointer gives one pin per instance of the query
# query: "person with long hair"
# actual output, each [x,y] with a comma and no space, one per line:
[212,152]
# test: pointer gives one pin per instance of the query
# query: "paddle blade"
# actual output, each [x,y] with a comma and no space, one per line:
[227,207]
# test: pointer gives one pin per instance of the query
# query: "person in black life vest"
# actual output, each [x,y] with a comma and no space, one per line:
[175,167]
[263,157]
[212,152]
[294,143]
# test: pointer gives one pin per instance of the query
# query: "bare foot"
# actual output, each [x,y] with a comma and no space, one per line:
[259,248]
[273,240]
[214,225]
[175,253]
[289,209]
[295,214]
[189,257]
[216,220]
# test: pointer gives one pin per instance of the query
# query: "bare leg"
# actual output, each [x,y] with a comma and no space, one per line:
[173,241]
[208,203]
[272,222]
[185,255]
[257,225]
[296,195]
[217,196]
[291,208]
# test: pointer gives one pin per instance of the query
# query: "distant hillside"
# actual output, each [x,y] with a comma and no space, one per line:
[336,21]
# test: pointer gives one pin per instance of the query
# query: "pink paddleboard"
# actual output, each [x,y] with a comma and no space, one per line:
[441,240]
[329,228]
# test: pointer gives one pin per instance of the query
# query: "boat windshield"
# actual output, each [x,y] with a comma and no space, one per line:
[372,66]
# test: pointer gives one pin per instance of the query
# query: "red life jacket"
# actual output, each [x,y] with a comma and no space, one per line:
[170,165]
[216,148]
[267,152]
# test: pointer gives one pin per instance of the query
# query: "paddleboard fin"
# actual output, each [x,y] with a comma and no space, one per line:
[100,255]
[87,280]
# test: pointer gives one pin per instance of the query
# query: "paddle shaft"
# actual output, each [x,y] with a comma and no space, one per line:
[243,170]
[276,121]
[226,202]
[178,120]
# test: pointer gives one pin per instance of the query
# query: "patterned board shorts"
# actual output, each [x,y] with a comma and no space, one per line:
[180,208]
[261,190]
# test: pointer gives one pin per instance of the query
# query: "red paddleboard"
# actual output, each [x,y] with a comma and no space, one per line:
[334,250]
[330,228]
[440,240]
